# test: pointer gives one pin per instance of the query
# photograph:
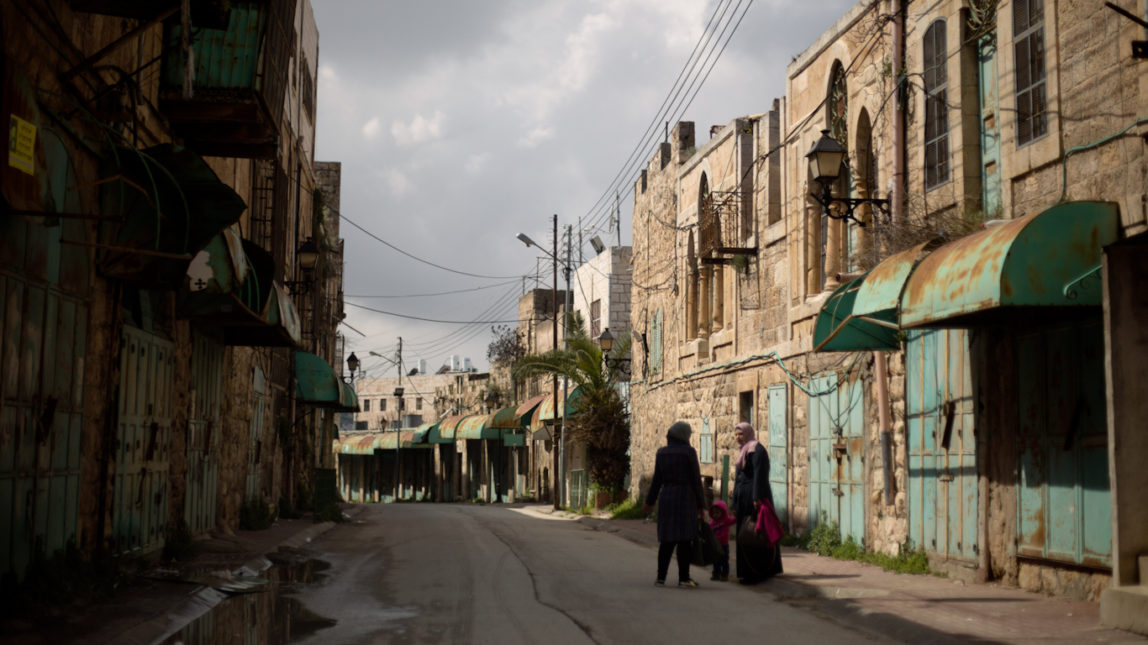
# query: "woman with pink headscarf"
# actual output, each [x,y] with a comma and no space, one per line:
[750,490]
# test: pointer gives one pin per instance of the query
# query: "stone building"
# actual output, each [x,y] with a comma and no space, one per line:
[158,288]
[947,369]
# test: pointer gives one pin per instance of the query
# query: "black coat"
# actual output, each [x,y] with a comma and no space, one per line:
[752,482]
[677,488]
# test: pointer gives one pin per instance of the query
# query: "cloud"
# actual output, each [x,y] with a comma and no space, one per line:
[371,128]
[419,130]
[397,181]
[536,137]
[476,163]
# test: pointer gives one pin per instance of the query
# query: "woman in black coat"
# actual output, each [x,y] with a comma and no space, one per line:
[750,490]
[677,488]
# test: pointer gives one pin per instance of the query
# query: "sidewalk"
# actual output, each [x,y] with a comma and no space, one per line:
[157,602]
[910,607]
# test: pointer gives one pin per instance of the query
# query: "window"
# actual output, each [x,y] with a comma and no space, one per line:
[1031,92]
[360,425]
[706,443]
[595,319]
[382,405]
[655,357]
[936,107]
[745,408]
[366,405]
[419,403]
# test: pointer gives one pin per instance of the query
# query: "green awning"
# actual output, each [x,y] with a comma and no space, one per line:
[546,412]
[863,313]
[477,427]
[1037,261]
[228,285]
[445,430]
[169,204]
[409,438]
[317,385]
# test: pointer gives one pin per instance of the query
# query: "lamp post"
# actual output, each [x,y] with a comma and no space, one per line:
[606,342]
[825,160]
[525,239]
[398,439]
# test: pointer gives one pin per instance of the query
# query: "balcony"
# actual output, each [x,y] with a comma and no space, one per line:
[238,84]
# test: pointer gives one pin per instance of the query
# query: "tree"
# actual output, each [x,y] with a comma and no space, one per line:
[507,347]
[601,421]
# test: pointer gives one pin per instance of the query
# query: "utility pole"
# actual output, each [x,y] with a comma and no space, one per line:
[565,344]
[399,429]
[557,438]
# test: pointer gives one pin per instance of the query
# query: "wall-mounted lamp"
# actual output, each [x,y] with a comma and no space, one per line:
[352,365]
[606,342]
[306,257]
[825,160]
[596,242]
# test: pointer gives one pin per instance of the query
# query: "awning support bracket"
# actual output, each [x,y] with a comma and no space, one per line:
[1073,288]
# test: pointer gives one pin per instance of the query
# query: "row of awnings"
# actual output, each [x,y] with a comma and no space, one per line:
[508,425]
[1033,263]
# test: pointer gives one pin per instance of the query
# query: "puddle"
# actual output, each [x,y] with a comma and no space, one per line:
[259,607]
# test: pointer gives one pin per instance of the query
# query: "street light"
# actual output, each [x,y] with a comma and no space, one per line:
[352,365]
[606,342]
[525,239]
[398,439]
[306,257]
[825,161]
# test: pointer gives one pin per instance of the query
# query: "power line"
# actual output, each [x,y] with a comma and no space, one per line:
[441,293]
[434,320]
[418,259]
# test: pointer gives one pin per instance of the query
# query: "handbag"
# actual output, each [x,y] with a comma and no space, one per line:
[748,536]
[704,548]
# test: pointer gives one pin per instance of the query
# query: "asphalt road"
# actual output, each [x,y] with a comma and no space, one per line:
[463,573]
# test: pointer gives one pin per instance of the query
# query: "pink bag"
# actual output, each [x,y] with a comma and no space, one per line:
[769,523]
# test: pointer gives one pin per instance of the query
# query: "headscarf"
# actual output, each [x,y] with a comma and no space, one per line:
[748,446]
[680,431]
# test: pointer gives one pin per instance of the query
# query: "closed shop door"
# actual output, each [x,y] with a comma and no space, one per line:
[942,491]
[141,491]
[43,334]
[259,402]
[203,433]
[836,455]
[1064,504]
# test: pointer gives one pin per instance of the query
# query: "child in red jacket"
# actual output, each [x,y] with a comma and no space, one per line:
[720,522]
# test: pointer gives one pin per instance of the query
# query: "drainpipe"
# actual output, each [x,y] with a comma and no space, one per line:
[898,192]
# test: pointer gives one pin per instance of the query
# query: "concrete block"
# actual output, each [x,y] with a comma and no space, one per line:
[1125,608]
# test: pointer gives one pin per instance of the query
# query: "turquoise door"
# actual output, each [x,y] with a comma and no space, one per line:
[836,455]
[140,488]
[1063,504]
[778,457]
[942,491]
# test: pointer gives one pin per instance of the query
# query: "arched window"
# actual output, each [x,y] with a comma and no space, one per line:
[936,106]
[711,306]
[832,232]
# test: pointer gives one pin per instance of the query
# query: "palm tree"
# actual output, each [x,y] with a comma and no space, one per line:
[601,421]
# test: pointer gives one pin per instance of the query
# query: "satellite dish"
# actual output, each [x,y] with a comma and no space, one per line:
[596,242]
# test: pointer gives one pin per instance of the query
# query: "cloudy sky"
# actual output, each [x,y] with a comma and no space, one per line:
[462,123]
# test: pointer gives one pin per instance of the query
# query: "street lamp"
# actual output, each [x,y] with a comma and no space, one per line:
[306,257]
[398,439]
[352,365]
[525,239]
[606,342]
[825,160]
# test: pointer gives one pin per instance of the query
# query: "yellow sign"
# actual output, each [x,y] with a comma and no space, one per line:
[22,145]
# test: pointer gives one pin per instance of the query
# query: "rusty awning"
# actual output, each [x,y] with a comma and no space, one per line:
[446,429]
[477,427]
[1038,261]
[863,313]
[403,439]
[359,444]
[546,412]
[169,204]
